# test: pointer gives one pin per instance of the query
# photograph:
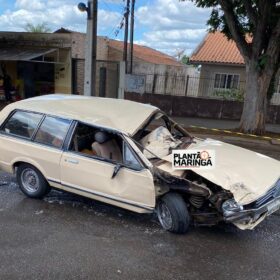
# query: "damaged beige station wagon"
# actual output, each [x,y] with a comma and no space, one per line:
[119,152]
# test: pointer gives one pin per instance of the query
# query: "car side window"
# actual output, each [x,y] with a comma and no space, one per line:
[22,124]
[98,143]
[129,158]
[52,131]
[104,145]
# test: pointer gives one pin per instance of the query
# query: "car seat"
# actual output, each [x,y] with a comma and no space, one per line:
[106,147]
[83,143]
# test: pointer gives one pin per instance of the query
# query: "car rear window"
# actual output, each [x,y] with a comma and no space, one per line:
[52,132]
[22,124]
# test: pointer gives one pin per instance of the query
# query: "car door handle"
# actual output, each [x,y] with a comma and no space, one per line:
[73,161]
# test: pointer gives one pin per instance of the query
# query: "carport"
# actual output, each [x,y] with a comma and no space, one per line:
[33,70]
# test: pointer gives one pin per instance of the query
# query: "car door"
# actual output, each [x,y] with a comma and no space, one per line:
[131,188]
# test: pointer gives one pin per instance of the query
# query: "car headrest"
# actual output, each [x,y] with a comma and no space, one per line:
[101,137]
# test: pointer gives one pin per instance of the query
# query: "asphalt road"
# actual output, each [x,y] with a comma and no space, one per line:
[66,236]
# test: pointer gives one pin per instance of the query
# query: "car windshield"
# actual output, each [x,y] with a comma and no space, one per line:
[161,135]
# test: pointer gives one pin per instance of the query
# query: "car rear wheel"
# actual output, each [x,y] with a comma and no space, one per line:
[173,213]
[31,182]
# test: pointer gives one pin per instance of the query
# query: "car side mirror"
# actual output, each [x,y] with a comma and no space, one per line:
[117,168]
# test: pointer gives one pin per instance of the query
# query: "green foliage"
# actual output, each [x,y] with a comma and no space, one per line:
[185,59]
[39,28]
[239,18]
[243,18]
[229,94]
[254,25]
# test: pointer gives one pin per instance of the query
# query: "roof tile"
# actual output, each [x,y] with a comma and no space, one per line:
[141,52]
[216,48]
[147,54]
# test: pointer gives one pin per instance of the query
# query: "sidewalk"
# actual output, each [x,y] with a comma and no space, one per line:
[219,124]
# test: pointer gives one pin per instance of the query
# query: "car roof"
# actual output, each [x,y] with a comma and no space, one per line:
[118,114]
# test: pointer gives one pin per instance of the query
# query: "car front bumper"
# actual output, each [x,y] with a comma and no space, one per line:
[252,215]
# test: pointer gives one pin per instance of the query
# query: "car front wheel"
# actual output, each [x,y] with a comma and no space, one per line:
[31,182]
[173,213]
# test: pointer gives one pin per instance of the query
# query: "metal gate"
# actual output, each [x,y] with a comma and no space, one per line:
[107,79]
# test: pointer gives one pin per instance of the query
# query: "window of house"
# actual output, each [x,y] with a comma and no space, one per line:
[226,81]
[22,124]
[52,132]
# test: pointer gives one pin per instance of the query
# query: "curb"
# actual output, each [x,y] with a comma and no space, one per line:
[235,133]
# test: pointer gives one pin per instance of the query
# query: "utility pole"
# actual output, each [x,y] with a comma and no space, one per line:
[126,34]
[91,46]
[131,35]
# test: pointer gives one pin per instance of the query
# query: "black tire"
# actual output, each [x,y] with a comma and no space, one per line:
[173,213]
[31,181]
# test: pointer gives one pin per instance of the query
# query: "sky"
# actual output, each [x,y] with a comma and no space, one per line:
[169,26]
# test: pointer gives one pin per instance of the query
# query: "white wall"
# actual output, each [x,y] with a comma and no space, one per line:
[167,79]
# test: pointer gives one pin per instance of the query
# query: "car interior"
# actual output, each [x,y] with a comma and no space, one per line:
[159,129]
[155,121]
[97,142]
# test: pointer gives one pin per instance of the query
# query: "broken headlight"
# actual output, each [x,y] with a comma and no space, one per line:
[230,206]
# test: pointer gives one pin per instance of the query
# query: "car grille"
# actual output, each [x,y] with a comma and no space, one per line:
[274,192]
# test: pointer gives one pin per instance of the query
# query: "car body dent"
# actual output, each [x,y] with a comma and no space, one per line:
[81,108]
[239,173]
[237,170]
[250,225]
[95,177]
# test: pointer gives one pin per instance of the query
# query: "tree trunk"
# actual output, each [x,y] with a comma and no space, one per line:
[255,103]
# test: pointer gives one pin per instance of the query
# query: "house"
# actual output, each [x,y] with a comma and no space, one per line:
[112,50]
[42,63]
[154,64]
[222,67]
[141,54]
[36,63]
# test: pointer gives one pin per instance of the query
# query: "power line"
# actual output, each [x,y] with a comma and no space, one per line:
[116,30]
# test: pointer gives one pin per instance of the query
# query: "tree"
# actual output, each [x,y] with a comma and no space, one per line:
[254,25]
[38,28]
[185,59]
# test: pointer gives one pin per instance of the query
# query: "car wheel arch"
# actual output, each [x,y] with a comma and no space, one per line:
[17,163]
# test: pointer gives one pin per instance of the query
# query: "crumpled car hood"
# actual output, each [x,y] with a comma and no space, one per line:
[246,174]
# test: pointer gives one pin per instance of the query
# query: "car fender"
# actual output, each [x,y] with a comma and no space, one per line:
[28,161]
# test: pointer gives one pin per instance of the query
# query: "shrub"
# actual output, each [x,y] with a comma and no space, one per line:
[229,94]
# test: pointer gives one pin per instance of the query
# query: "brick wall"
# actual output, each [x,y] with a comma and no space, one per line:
[79,46]
[79,64]
[116,55]
[102,49]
